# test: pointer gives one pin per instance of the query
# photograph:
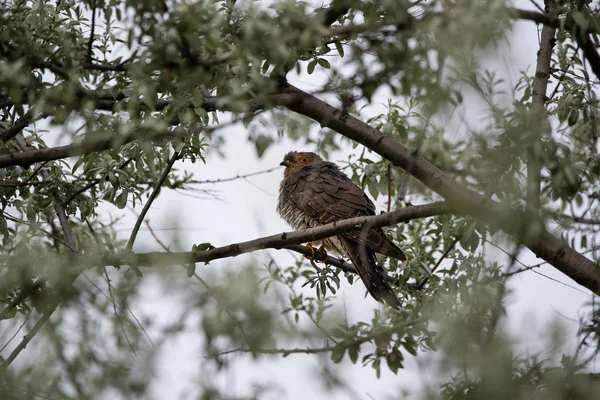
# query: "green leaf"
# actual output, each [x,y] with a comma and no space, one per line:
[340,49]
[353,353]
[121,200]
[262,143]
[324,63]
[191,269]
[337,354]
[202,246]
[311,66]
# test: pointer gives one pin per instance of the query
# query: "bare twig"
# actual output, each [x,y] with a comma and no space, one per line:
[238,176]
[27,338]
[90,49]
[389,186]
[448,250]
[385,332]
[159,184]
[58,204]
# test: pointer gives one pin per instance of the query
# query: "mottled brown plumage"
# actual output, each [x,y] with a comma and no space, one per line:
[314,192]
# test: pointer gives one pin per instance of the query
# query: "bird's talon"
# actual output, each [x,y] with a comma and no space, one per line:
[312,252]
[324,253]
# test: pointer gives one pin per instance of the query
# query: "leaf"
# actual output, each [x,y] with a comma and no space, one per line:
[202,246]
[340,49]
[191,269]
[262,143]
[409,345]
[311,66]
[324,63]
[337,354]
[353,353]
[77,165]
[121,200]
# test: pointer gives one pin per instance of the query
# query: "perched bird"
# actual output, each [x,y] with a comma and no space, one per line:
[315,192]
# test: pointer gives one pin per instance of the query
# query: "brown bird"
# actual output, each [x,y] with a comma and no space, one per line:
[314,192]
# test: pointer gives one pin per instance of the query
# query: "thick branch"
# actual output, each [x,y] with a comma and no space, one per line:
[21,124]
[29,157]
[544,245]
[282,240]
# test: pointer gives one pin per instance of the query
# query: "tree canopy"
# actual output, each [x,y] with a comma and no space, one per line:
[108,105]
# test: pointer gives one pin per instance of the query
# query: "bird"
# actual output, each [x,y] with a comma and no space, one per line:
[315,192]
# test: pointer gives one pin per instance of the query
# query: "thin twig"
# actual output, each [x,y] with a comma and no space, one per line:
[93,183]
[159,184]
[448,250]
[356,342]
[238,176]
[91,40]
[58,204]
[389,186]
[117,316]
[27,338]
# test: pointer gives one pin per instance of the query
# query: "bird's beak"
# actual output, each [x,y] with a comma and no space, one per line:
[284,163]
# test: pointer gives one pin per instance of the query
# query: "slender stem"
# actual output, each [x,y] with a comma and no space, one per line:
[90,49]
[448,250]
[155,192]
[27,338]
[58,204]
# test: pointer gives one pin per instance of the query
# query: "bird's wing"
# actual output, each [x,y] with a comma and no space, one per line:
[323,192]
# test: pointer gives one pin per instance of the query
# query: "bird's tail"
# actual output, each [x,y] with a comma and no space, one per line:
[366,266]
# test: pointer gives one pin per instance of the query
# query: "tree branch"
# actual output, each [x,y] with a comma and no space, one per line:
[159,184]
[59,207]
[27,338]
[21,124]
[540,86]
[278,241]
[581,36]
[544,245]
[88,146]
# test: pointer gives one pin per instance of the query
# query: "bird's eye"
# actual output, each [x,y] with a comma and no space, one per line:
[304,160]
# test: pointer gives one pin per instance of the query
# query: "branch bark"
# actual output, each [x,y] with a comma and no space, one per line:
[544,245]
[279,241]
[29,157]
[540,86]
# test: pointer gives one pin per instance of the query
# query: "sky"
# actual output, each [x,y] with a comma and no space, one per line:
[246,209]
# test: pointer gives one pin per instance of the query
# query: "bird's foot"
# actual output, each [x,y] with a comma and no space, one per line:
[314,251]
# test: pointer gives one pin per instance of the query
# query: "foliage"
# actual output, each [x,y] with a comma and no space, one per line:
[137,90]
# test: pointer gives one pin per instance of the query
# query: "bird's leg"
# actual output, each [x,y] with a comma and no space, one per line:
[323,252]
[312,251]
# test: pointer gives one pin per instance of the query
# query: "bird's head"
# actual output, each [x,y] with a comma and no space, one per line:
[294,161]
